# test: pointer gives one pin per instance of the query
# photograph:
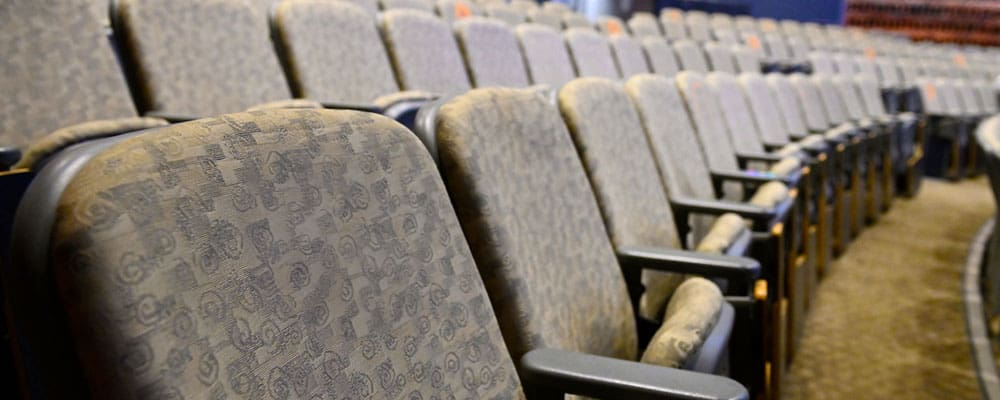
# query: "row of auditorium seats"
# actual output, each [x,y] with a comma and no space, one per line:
[204,200]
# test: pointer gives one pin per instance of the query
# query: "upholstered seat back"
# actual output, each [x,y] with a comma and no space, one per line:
[535,229]
[735,112]
[57,70]
[573,20]
[454,10]
[713,134]
[720,57]
[786,101]
[870,94]
[671,136]
[333,52]
[548,60]
[628,56]
[591,53]
[769,121]
[503,12]
[690,55]
[417,5]
[672,21]
[849,95]
[609,137]
[304,253]
[831,99]
[644,25]
[184,62]
[492,55]
[549,18]
[662,60]
[813,110]
[424,52]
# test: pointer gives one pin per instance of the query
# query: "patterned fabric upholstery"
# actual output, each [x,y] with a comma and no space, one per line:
[503,12]
[812,104]
[418,5]
[770,122]
[64,137]
[358,71]
[623,174]
[454,10]
[712,133]
[491,52]
[548,18]
[739,119]
[290,103]
[679,157]
[644,25]
[185,62]
[533,225]
[574,20]
[66,76]
[690,56]
[720,57]
[787,103]
[628,56]
[274,254]
[545,54]
[424,52]
[689,319]
[661,57]
[830,99]
[591,53]
[746,60]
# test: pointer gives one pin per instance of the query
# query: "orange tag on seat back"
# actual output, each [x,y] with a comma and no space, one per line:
[960,60]
[753,41]
[613,27]
[462,10]
[870,53]
[674,15]
[931,91]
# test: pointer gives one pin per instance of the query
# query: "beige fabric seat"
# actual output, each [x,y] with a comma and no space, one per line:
[65,87]
[574,20]
[454,10]
[690,55]
[492,54]
[662,60]
[643,24]
[548,18]
[424,53]
[591,53]
[503,12]
[629,56]
[545,54]
[357,73]
[184,64]
[534,257]
[418,5]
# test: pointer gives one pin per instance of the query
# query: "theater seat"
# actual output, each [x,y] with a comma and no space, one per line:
[333,314]
[357,75]
[660,55]
[690,55]
[454,10]
[643,24]
[591,53]
[63,88]
[184,64]
[503,12]
[537,260]
[492,54]
[628,56]
[548,18]
[545,54]
[419,5]
[424,53]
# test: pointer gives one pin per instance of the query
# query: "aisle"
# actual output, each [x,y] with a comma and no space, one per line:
[887,321]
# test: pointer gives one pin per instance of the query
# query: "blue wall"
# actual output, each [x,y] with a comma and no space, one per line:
[825,11]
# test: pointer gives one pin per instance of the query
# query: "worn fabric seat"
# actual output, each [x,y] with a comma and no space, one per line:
[184,64]
[64,88]
[643,24]
[424,53]
[545,54]
[316,280]
[358,74]
[672,22]
[526,252]
[591,53]
[492,53]
[629,56]
[690,55]
[612,145]
[660,55]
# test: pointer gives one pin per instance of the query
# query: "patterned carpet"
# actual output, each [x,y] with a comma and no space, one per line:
[887,321]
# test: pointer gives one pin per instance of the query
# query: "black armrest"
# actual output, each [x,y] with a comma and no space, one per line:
[557,371]
[172,118]
[733,269]
[768,158]
[348,106]
[790,180]
[762,217]
[8,157]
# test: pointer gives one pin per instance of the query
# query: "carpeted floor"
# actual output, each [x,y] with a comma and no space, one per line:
[887,320]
